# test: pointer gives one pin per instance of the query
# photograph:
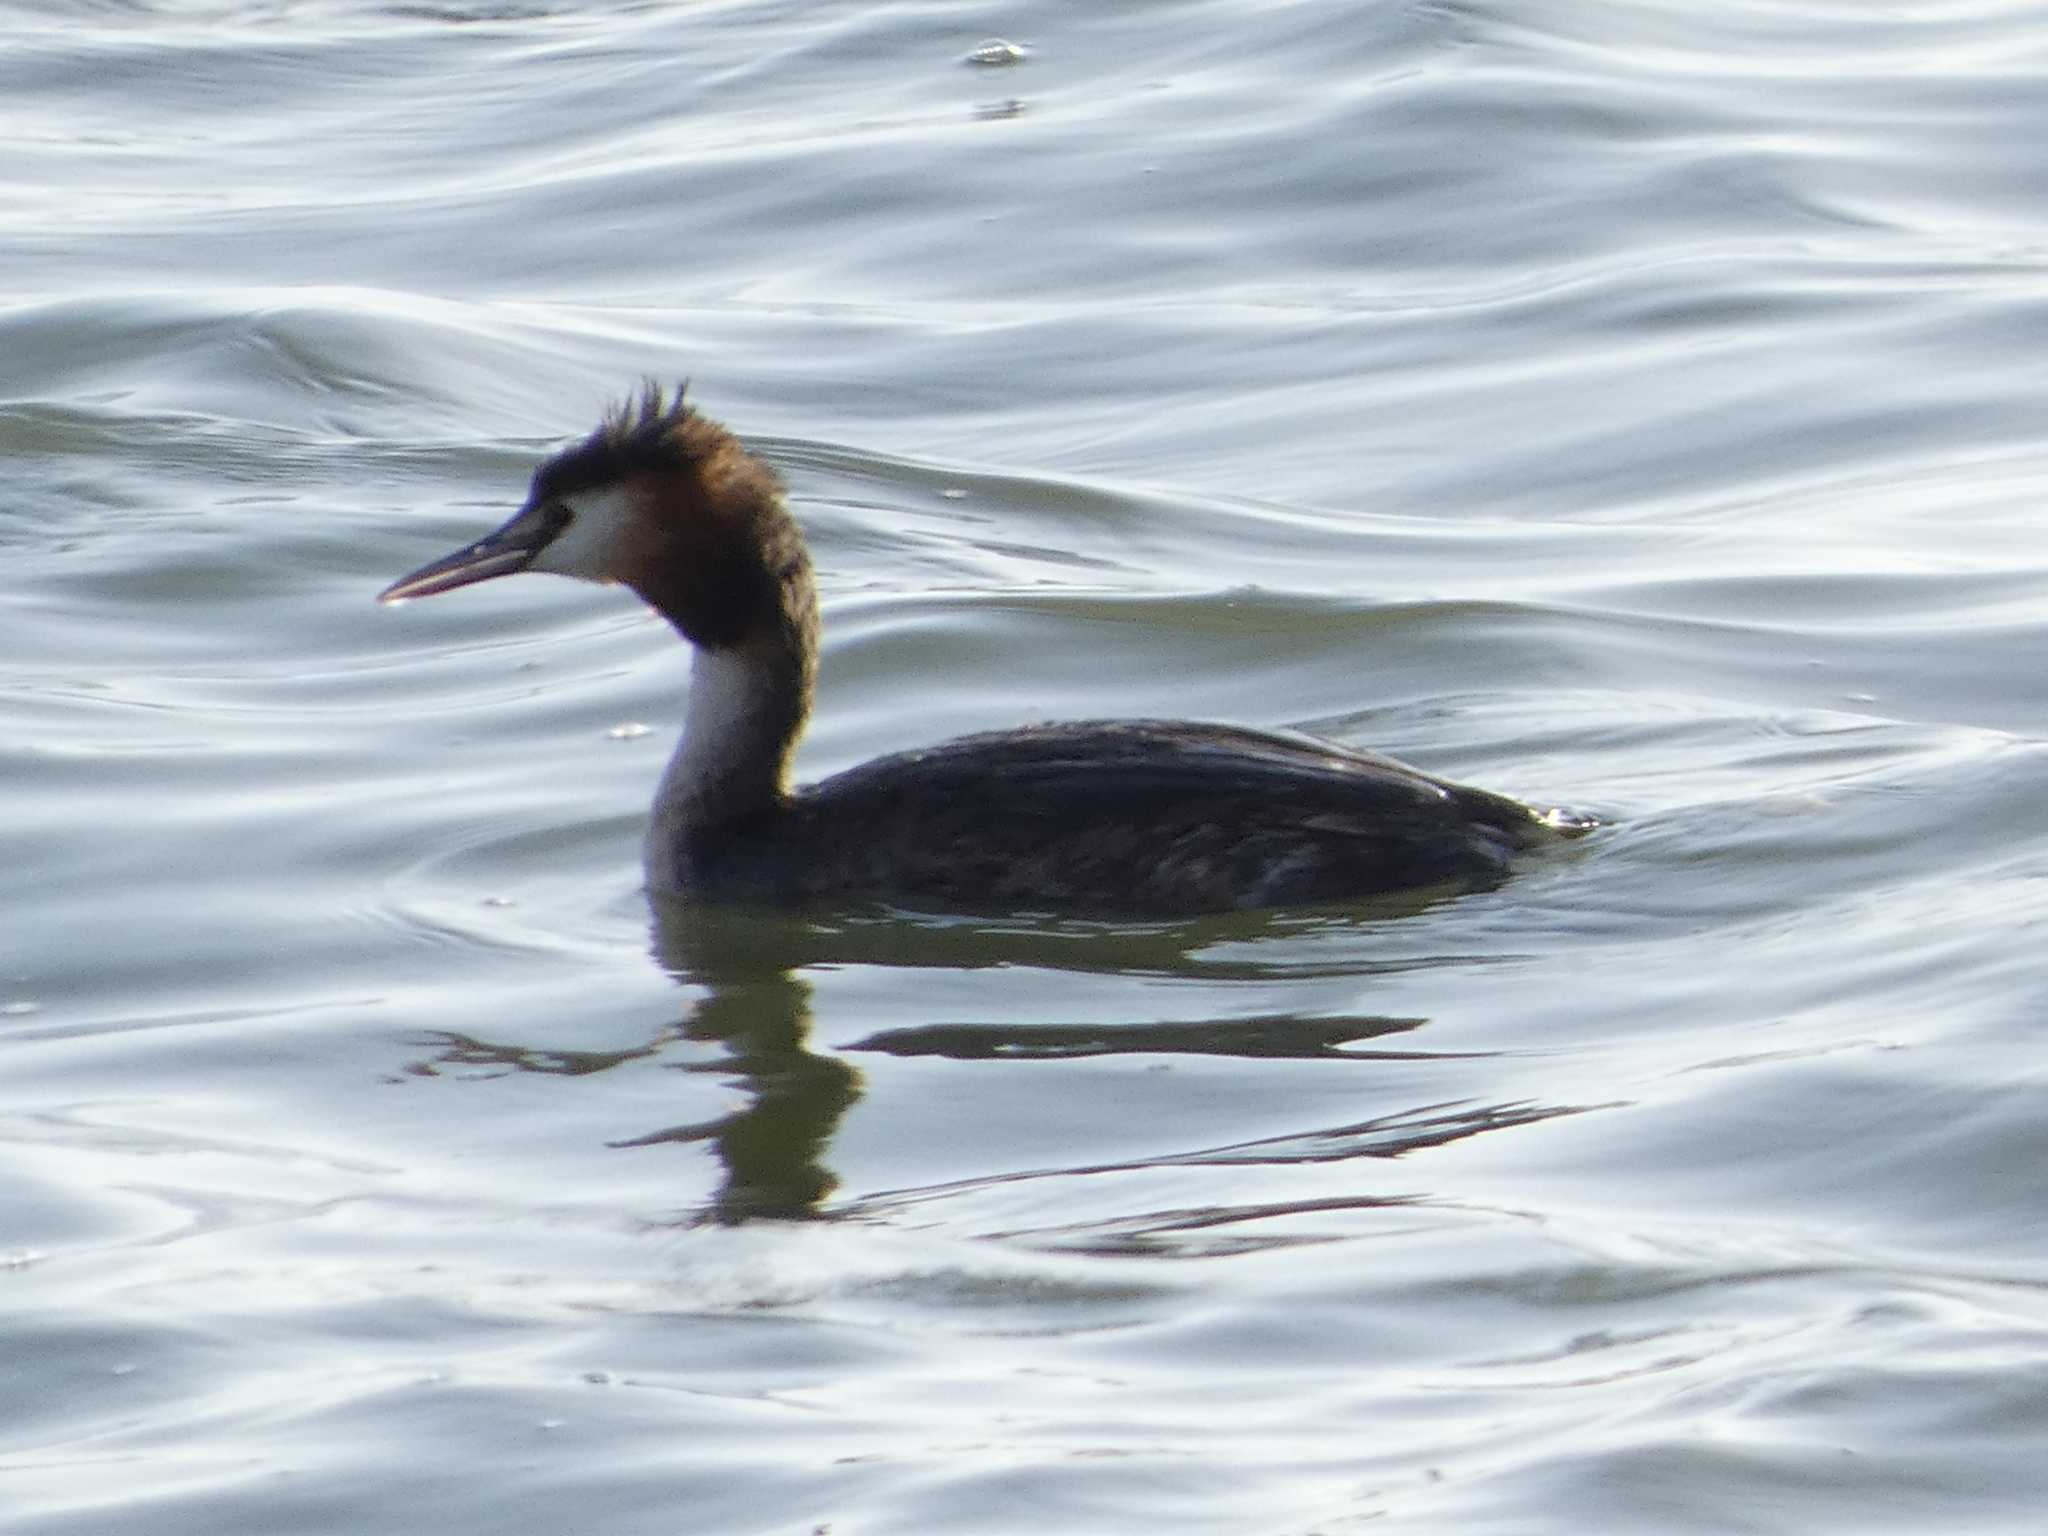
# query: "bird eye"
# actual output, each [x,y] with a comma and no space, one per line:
[556,516]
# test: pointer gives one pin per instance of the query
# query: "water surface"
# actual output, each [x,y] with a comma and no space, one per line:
[1630,408]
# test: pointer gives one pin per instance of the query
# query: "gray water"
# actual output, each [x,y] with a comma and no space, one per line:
[1635,406]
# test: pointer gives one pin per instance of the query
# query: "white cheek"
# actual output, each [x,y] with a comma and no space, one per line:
[586,547]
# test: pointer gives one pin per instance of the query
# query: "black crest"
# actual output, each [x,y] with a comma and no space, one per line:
[637,436]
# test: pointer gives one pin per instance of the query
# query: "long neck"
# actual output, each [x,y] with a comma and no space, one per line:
[748,704]
[735,581]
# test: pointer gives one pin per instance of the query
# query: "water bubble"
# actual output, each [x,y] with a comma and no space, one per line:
[995,53]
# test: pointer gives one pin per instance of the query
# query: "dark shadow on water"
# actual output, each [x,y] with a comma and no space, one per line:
[1280,1036]
[773,1149]
[1213,1230]
[756,1006]
[703,944]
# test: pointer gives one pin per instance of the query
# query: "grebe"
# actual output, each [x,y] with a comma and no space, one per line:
[1127,818]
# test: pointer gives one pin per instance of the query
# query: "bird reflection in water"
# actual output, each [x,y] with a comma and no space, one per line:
[756,1006]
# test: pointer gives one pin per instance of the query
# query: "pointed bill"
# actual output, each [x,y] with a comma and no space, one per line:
[511,548]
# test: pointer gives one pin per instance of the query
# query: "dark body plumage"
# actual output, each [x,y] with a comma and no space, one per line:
[1136,818]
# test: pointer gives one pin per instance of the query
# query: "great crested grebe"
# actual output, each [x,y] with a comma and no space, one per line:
[1129,818]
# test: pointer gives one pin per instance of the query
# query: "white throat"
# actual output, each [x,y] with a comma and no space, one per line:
[733,749]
